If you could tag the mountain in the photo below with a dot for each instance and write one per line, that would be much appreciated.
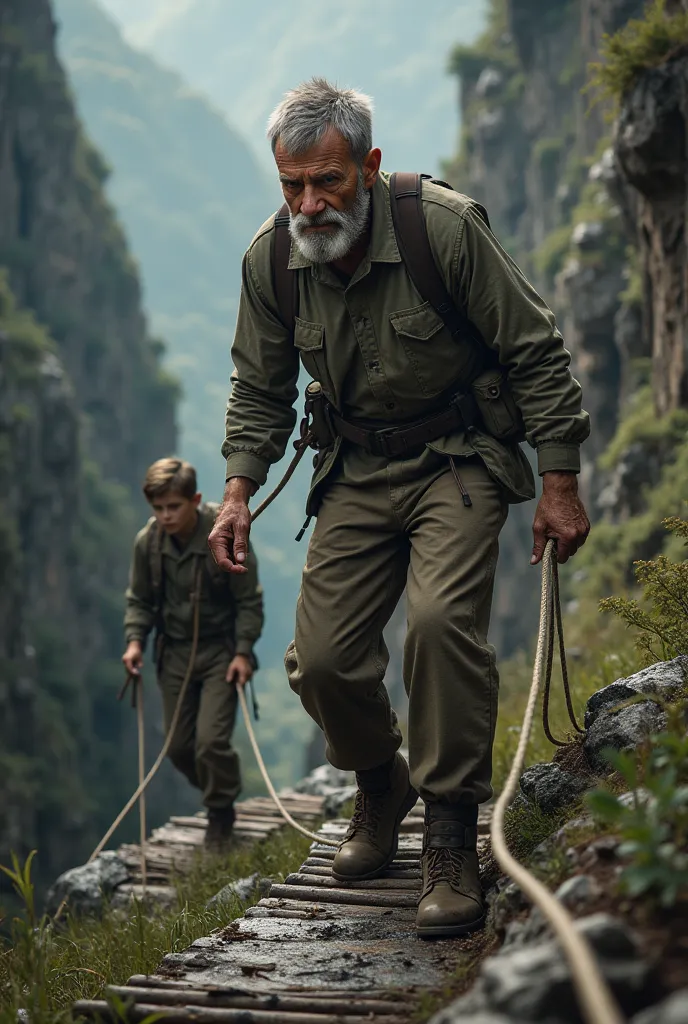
(244, 57)
(191, 195)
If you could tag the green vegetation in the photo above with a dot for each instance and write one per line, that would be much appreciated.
(662, 631)
(46, 968)
(654, 825)
(549, 258)
(641, 44)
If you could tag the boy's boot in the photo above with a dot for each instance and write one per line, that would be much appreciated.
(219, 831)
(451, 901)
(384, 798)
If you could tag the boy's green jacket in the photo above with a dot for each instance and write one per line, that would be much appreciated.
(231, 605)
(383, 355)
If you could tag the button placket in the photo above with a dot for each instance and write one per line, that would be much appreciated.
(370, 352)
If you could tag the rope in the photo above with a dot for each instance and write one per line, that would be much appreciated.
(554, 624)
(138, 684)
(597, 1002)
(268, 782)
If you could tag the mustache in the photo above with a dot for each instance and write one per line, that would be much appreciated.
(316, 220)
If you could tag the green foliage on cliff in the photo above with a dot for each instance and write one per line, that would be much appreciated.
(641, 44)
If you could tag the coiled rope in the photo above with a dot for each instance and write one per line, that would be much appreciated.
(595, 997)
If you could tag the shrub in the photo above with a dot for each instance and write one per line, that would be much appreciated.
(641, 44)
(662, 628)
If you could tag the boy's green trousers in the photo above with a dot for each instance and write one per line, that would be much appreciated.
(201, 746)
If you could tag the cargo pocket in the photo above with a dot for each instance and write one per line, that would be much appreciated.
(434, 356)
(500, 415)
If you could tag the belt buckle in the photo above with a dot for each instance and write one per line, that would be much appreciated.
(380, 443)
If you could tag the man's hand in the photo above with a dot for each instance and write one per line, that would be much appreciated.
(240, 670)
(133, 657)
(228, 539)
(560, 515)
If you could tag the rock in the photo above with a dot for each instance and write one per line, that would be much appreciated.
(666, 680)
(626, 729)
(550, 787)
(490, 81)
(531, 983)
(87, 887)
(604, 170)
(336, 786)
(578, 891)
(241, 889)
(509, 901)
(604, 850)
(673, 1010)
(588, 234)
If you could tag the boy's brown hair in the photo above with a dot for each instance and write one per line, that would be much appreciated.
(170, 475)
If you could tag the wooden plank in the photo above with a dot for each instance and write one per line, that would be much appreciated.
(316, 911)
(231, 999)
(358, 897)
(93, 1009)
(310, 868)
(381, 884)
(156, 981)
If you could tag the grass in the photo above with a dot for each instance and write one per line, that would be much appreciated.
(45, 969)
(642, 44)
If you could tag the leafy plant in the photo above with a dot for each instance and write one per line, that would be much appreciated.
(641, 44)
(663, 627)
(654, 824)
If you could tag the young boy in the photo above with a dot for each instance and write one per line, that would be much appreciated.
(171, 557)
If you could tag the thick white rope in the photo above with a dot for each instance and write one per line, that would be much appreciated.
(596, 999)
(268, 782)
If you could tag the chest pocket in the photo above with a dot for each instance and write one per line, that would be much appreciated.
(309, 339)
(435, 357)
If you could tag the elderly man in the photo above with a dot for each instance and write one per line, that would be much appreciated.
(412, 490)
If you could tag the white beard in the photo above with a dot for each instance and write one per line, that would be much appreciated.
(335, 244)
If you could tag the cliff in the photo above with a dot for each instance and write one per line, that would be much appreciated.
(574, 138)
(84, 407)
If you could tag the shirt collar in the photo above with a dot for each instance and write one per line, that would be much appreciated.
(198, 543)
(383, 246)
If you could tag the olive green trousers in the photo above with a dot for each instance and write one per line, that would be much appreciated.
(384, 526)
(201, 745)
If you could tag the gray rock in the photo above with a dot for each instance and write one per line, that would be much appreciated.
(323, 780)
(86, 888)
(578, 891)
(532, 983)
(588, 234)
(550, 787)
(673, 1010)
(241, 889)
(604, 170)
(665, 680)
(490, 81)
(626, 729)
(509, 900)
(447, 1016)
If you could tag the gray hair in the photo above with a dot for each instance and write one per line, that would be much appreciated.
(306, 112)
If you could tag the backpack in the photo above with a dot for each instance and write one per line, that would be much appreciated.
(405, 193)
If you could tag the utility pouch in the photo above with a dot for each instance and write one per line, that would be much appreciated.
(318, 417)
(500, 415)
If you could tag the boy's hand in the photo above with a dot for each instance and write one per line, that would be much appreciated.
(240, 670)
(228, 539)
(133, 657)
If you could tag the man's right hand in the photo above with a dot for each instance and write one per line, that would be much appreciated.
(228, 539)
(133, 658)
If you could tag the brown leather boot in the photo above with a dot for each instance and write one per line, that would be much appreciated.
(384, 798)
(218, 834)
(451, 902)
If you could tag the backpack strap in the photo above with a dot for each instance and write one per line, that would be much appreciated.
(405, 195)
(285, 281)
(155, 539)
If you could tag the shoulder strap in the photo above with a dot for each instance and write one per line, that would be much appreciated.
(405, 195)
(285, 280)
(155, 538)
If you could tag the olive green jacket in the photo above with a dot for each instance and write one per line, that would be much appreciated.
(382, 354)
(231, 607)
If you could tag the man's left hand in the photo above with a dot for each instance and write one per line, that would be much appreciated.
(560, 515)
(240, 670)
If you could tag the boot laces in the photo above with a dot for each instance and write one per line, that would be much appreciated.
(367, 812)
(445, 865)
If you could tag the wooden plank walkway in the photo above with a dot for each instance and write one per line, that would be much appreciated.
(313, 950)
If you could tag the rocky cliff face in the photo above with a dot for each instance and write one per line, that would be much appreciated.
(84, 407)
(593, 207)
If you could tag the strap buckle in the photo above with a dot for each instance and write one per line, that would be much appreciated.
(381, 443)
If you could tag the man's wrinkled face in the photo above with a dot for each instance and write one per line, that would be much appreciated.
(174, 513)
(328, 195)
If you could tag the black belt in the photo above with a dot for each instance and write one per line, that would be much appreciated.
(397, 441)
